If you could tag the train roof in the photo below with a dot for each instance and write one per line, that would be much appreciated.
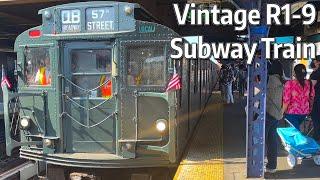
(116, 18)
(139, 12)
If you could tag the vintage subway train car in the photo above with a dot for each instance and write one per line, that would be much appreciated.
(91, 92)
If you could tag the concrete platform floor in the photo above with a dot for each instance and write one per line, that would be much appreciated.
(234, 144)
(217, 150)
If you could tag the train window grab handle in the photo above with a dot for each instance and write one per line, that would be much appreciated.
(113, 53)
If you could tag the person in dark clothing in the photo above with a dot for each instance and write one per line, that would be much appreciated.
(221, 86)
(274, 113)
(227, 76)
(315, 113)
(242, 79)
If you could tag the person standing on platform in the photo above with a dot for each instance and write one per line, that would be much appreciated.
(274, 113)
(298, 95)
(236, 80)
(315, 113)
(220, 81)
(242, 79)
(227, 80)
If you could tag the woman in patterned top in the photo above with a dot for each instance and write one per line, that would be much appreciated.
(298, 97)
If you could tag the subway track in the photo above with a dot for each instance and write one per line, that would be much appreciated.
(8, 167)
(17, 170)
(11, 167)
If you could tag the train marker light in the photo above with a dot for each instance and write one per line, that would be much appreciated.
(161, 125)
(24, 123)
(34, 33)
(47, 14)
(128, 10)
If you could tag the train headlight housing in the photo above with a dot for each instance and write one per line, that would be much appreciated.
(161, 125)
(25, 123)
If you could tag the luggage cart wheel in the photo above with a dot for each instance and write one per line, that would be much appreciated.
(316, 159)
(292, 160)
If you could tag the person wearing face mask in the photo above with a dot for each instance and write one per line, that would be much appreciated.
(298, 95)
(315, 113)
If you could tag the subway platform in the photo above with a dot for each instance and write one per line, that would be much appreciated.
(217, 149)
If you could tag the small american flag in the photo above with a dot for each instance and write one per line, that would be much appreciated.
(175, 83)
(4, 79)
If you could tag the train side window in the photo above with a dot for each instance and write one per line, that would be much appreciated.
(146, 66)
(37, 69)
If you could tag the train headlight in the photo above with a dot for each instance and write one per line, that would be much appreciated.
(161, 125)
(25, 123)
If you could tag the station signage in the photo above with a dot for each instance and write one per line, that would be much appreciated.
(100, 19)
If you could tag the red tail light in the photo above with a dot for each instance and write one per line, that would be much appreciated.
(34, 33)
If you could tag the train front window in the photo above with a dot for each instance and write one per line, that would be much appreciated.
(91, 73)
(37, 68)
(146, 66)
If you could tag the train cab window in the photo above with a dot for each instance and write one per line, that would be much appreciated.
(91, 71)
(37, 67)
(146, 66)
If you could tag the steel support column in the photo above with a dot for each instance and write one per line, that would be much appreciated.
(256, 104)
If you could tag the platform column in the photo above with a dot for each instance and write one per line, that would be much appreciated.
(257, 74)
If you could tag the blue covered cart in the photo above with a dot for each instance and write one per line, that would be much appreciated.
(298, 145)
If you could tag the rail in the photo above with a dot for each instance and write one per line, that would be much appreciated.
(26, 170)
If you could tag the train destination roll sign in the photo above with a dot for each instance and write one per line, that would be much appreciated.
(96, 20)
(71, 21)
(100, 19)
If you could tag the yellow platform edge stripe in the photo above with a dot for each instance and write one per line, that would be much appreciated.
(212, 169)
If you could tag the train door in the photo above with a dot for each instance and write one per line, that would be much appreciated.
(89, 104)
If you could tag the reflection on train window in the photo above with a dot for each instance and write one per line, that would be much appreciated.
(146, 66)
(37, 66)
(91, 73)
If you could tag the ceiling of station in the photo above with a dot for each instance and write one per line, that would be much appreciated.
(17, 16)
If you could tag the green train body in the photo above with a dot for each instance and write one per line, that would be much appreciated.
(80, 48)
